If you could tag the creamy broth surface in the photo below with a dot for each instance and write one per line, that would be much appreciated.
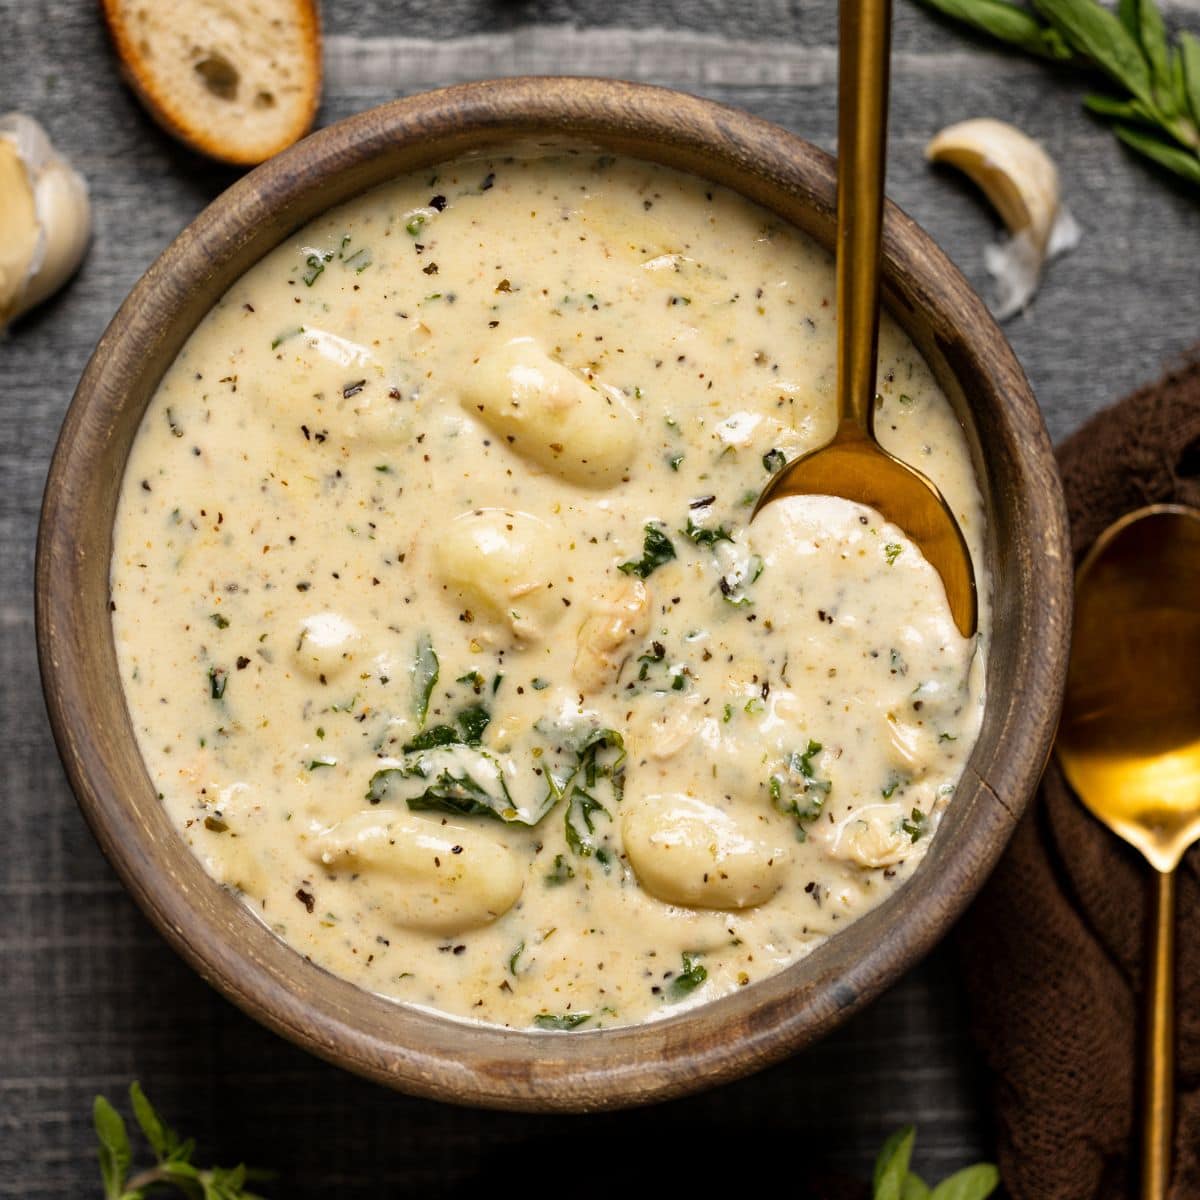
(443, 630)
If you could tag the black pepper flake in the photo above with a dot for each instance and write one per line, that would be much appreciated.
(307, 434)
(489, 182)
(439, 203)
(352, 389)
(493, 324)
(243, 662)
(145, 485)
(432, 269)
(456, 849)
(306, 898)
(303, 586)
(460, 949)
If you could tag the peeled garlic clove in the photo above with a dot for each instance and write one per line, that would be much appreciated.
(1021, 181)
(45, 215)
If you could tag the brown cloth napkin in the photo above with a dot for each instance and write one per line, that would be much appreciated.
(1052, 947)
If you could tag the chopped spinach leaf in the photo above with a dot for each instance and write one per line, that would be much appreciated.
(892, 552)
(217, 678)
(703, 536)
(513, 957)
(435, 735)
(915, 825)
(473, 721)
(560, 1021)
(690, 978)
(797, 792)
(582, 805)
(451, 779)
(424, 676)
(474, 679)
(657, 549)
(562, 872)
(774, 460)
(315, 265)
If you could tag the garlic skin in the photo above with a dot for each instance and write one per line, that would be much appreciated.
(44, 213)
(1021, 181)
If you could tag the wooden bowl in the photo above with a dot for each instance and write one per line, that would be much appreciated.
(418, 1051)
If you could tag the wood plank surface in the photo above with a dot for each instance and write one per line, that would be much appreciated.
(89, 995)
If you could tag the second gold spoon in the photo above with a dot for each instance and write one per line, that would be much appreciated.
(1129, 744)
(854, 465)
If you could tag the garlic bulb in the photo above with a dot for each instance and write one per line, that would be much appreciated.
(44, 215)
(1021, 181)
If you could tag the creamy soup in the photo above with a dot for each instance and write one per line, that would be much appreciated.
(444, 633)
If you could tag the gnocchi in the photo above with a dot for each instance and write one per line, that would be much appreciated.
(581, 430)
(692, 853)
(497, 562)
(427, 876)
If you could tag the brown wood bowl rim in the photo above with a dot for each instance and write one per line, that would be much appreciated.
(424, 1053)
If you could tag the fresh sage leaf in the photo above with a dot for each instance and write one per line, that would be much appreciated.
(1166, 154)
(1131, 47)
(1100, 35)
(971, 1183)
(1009, 22)
(1152, 35)
(162, 1140)
(1189, 56)
(891, 1165)
(1119, 110)
(915, 1188)
(114, 1151)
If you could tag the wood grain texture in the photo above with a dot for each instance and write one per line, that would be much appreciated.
(419, 1052)
(90, 994)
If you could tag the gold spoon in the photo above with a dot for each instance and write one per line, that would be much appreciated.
(1129, 744)
(854, 465)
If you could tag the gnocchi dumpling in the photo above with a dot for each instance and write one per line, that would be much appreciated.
(689, 852)
(584, 432)
(504, 566)
(326, 644)
(424, 875)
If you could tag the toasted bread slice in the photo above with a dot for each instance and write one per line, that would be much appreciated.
(237, 80)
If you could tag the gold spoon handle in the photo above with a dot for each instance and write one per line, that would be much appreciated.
(864, 48)
(1158, 1121)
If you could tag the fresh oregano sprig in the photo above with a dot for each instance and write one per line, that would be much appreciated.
(894, 1181)
(173, 1167)
(1155, 106)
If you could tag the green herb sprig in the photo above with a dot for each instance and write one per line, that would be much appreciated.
(894, 1181)
(1155, 105)
(173, 1158)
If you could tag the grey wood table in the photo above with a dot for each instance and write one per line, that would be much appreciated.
(91, 998)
